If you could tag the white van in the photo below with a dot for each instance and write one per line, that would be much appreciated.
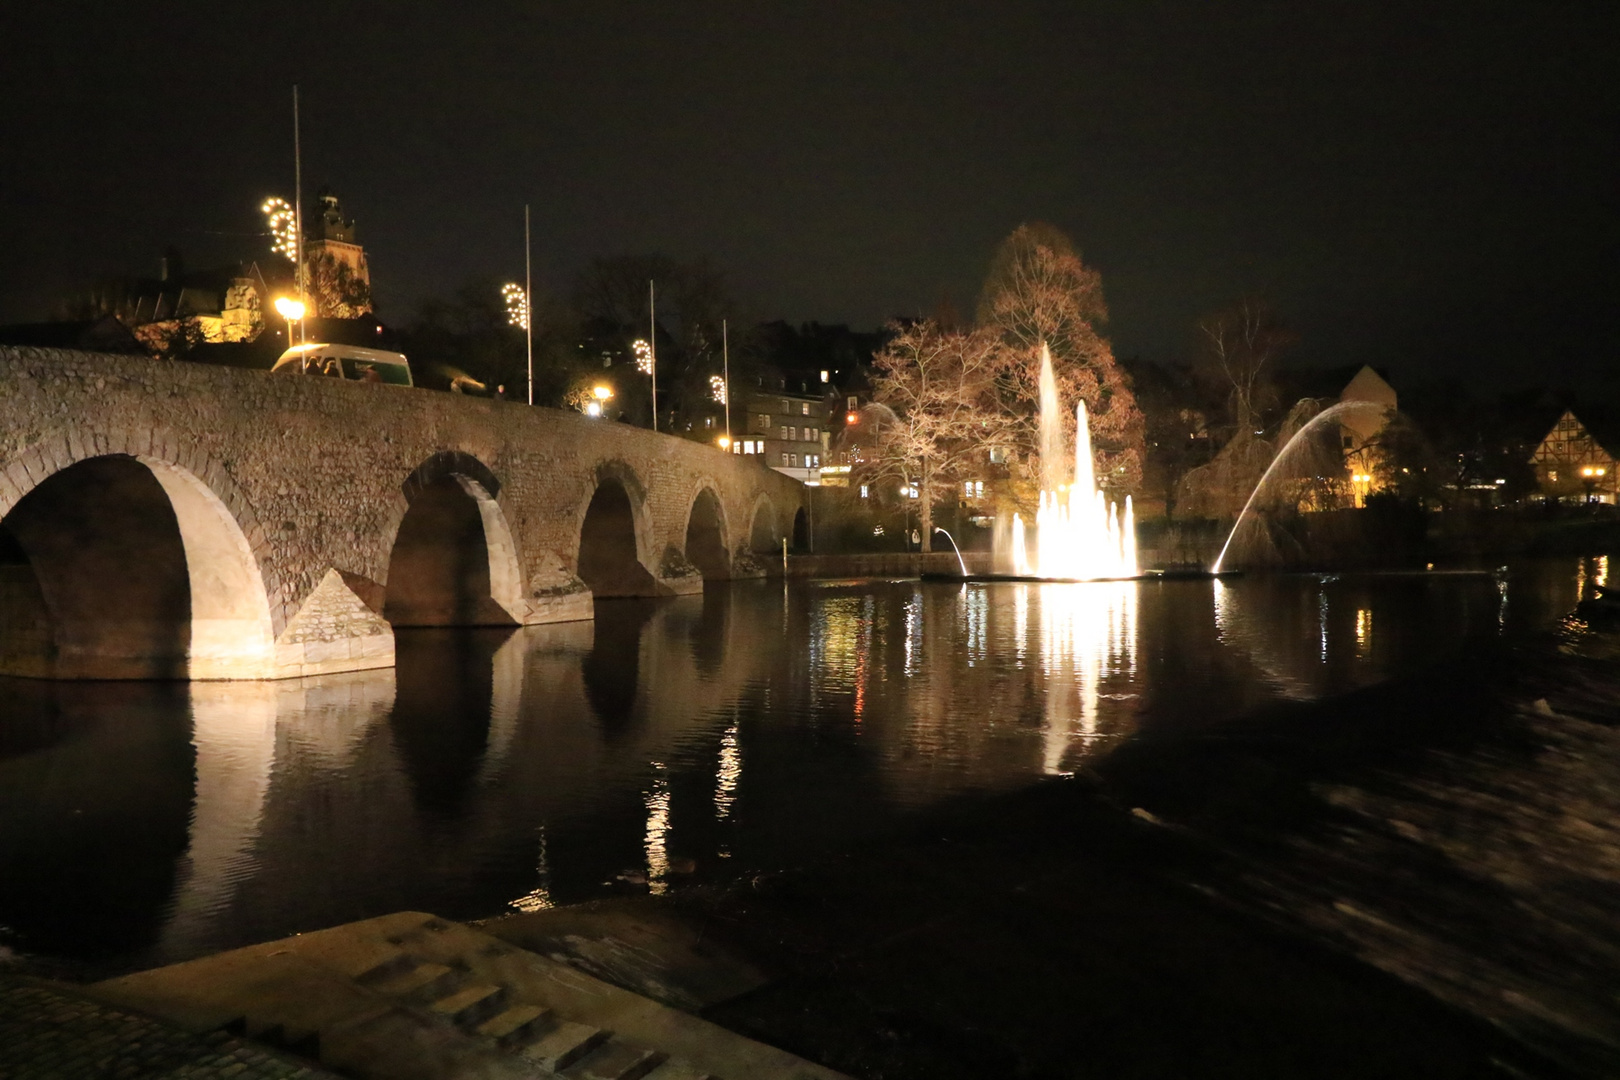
(345, 362)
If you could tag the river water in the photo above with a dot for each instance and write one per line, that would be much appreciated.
(696, 739)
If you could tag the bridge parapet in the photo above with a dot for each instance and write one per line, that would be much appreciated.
(171, 519)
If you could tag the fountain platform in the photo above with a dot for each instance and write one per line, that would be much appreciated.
(1031, 579)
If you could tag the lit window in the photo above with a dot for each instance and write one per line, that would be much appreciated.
(863, 491)
(824, 375)
(805, 408)
(785, 436)
(978, 488)
(787, 406)
(1552, 475)
(708, 421)
(784, 457)
(967, 489)
(852, 403)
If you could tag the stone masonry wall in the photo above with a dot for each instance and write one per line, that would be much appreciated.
(314, 471)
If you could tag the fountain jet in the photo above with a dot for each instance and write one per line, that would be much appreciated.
(1079, 534)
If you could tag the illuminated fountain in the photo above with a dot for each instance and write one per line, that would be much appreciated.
(1298, 457)
(1079, 534)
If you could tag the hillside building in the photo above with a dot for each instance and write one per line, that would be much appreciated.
(1572, 466)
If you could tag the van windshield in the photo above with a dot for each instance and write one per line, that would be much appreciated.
(373, 371)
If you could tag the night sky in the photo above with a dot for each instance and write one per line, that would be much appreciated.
(1430, 187)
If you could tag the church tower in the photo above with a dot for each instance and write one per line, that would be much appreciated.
(339, 279)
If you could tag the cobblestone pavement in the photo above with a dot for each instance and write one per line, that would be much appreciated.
(48, 1033)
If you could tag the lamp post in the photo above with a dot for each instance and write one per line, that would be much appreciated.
(601, 394)
(292, 310)
(1590, 475)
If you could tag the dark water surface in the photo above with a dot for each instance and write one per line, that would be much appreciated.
(691, 739)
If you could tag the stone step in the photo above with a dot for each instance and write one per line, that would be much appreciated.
(424, 982)
(678, 1070)
(564, 1043)
(516, 1024)
(373, 961)
(615, 1060)
(471, 1004)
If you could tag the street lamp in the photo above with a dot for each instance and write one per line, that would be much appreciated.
(292, 310)
(1590, 475)
(601, 395)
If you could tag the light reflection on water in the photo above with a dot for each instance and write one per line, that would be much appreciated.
(142, 823)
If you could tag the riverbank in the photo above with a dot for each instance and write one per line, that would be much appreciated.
(1235, 903)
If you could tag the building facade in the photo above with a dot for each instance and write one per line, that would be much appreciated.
(1572, 466)
(1360, 429)
(787, 430)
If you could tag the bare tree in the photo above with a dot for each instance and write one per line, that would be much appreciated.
(1239, 347)
(933, 417)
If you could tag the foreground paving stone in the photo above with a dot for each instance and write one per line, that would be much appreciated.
(413, 997)
(49, 1031)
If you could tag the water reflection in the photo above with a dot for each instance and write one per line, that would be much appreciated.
(1088, 637)
(143, 823)
(439, 670)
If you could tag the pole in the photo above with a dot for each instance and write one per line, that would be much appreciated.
(528, 300)
(652, 347)
(298, 216)
(725, 361)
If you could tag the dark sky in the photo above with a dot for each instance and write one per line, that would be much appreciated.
(1428, 186)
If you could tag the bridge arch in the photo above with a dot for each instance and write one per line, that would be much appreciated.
(616, 534)
(707, 538)
(801, 531)
(764, 529)
(121, 562)
(452, 560)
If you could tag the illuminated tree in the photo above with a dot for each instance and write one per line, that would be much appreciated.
(1038, 291)
(933, 414)
(338, 292)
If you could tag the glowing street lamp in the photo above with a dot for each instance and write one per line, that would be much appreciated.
(601, 394)
(1590, 475)
(292, 310)
(724, 442)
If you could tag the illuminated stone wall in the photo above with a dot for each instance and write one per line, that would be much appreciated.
(278, 481)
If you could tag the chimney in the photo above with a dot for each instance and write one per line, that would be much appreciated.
(171, 267)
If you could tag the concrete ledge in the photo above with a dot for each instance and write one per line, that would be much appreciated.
(885, 564)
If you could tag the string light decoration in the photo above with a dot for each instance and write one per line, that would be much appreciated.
(717, 387)
(517, 305)
(644, 356)
(283, 224)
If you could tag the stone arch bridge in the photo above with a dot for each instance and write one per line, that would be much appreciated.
(169, 520)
